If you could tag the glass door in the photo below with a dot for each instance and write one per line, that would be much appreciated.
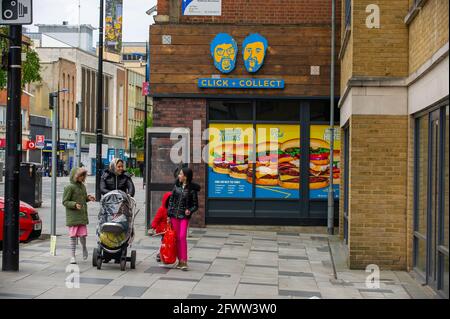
(433, 204)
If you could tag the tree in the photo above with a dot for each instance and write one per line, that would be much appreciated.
(30, 67)
(138, 139)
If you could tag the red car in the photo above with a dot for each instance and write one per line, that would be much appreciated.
(30, 223)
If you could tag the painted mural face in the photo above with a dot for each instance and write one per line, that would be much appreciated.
(254, 51)
(224, 52)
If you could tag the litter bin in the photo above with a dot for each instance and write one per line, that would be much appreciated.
(31, 184)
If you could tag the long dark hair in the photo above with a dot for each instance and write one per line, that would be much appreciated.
(188, 173)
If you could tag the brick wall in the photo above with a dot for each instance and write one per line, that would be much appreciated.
(263, 12)
(180, 113)
(383, 51)
(378, 184)
(428, 32)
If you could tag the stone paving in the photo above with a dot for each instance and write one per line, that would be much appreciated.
(223, 264)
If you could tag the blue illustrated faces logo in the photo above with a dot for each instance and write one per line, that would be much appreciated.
(254, 51)
(224, 51)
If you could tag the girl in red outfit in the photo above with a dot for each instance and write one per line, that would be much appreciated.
(159, 223)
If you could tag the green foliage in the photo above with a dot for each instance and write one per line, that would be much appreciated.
(30, 68)
(138, 138)
(134, 172)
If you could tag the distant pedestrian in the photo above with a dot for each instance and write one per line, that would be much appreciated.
(160, 221)
(75, 200)
(183, 203)
(115, 178)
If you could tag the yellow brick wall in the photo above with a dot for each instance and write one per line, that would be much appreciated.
(378, 185)
(428, 32)
(383, 51)
(347, 58)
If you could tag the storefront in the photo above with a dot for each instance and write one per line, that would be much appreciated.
(262, 94)
(431, 200)
(287, 180)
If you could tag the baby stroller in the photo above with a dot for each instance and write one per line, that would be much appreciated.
(115, 230)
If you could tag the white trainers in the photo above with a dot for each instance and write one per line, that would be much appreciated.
(73, 260)
(85, 254)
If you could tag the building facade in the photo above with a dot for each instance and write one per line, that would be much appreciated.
(251, 73)
(394, 122)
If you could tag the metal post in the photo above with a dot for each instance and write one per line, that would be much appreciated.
(79, 121)
(10, 261)
(55, 147)
(131, 159)
(99, 107)
(147, 79)
(330, 223)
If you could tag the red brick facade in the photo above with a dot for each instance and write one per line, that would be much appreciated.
(261, 12)
(181, 113)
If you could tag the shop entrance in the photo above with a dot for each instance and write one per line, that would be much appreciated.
(286, 182)
(431, 221)
(160, 167)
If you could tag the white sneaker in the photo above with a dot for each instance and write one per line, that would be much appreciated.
(85, 254)
(73, 260)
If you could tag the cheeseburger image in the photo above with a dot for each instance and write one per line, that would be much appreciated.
(336, 167)
(231, 159)
(289, 164)
(266, 164)
(319, 167)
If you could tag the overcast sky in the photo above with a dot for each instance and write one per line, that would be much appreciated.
(135, 20)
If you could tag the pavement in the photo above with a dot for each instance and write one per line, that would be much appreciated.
(224, 263)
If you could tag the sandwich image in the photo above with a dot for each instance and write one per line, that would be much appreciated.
(289, 164)
(266, 164)
(239, 164)
(336, 167)
(231, 159)
(319, 163)
(267, 153)
(265, 175)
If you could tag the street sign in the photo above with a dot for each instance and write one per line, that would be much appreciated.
(40, 141)
(16, 12)
(31, 145)
(145, 88)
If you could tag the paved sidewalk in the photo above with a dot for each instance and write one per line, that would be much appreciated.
(223, 264)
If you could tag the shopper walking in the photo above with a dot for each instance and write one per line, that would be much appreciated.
(182, 204)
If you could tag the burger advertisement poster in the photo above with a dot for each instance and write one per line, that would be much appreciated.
(277, 161)
(319, 162)
(229, 149)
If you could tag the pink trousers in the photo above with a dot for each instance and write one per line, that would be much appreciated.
(180, 226)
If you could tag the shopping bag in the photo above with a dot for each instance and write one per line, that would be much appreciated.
(168, 250)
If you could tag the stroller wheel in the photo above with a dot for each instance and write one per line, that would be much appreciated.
(94, 257)
(133, 259)
(123, 264)
(99, 262)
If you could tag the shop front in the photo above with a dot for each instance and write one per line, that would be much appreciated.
(260, 95)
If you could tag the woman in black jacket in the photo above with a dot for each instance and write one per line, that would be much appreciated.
(183, 203)
(115, 178)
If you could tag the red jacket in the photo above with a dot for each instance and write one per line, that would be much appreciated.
(159, 223)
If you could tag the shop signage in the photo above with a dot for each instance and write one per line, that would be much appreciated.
(241, 83)
(224, 51)
(31, 145)
(2, 142)
(202, 7)
(40, 141)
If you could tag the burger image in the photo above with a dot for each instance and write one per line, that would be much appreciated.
(267, 153)
(336, 167)
(265, 175)
(233, 160)
(289, 164)
(222, 157)
(318, 182)
(319, 167)
(289, 150)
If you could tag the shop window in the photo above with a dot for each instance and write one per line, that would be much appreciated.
(320, 111)
(229, 111)
(278, 111)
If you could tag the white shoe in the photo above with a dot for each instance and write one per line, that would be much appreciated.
(73, 260)
(85, 254)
